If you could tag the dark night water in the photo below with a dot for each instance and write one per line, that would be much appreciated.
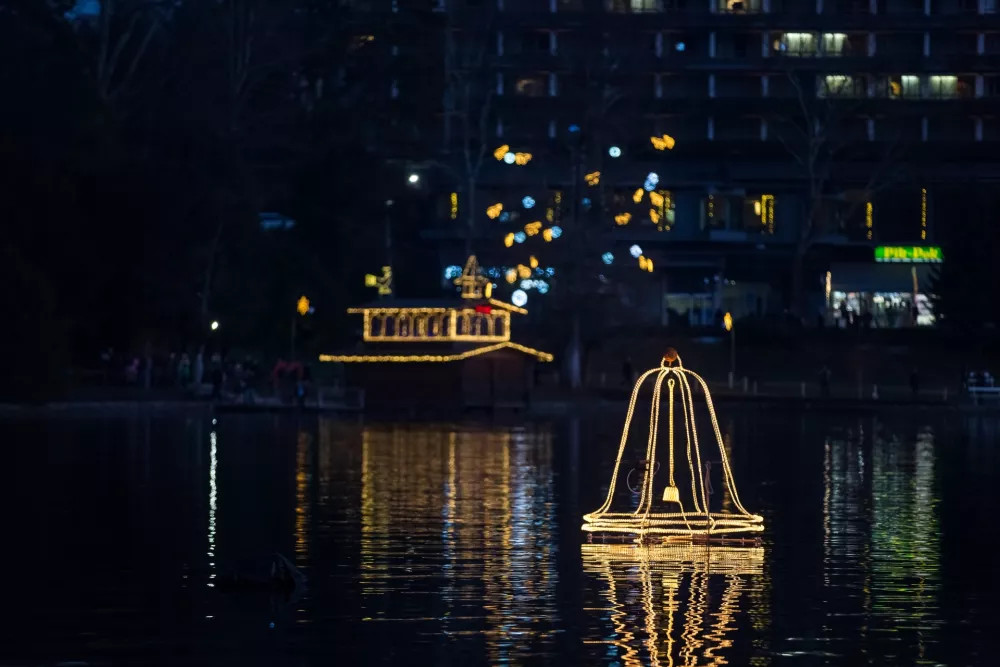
(460, 544)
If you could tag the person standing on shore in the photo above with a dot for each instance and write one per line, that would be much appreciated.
(199, 368)
(184, 371)
(824, 381)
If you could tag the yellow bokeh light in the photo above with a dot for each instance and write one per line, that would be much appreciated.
(656, 199)
(454, 205)
(593, 178)
(370, 280)
(547, 234)
(302, 306)
(654, 216)
(727, 320)
(522, 158)
(550, 214)
(494, 211)
(533, 262)
(511, 275)
(508, 240)
(523, 272)
(666, 142)
(637, 195)
(623, 218)
(501, 151)
(532, 228)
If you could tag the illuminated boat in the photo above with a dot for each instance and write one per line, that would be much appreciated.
(442, 352)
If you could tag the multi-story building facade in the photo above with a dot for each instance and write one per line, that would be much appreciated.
(739, 142)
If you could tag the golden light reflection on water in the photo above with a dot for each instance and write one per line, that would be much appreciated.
(670, 605)
(303, 477)
(460, 523)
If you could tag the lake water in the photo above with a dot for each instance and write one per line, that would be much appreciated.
(460, 544)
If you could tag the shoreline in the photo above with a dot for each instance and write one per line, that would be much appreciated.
(550, 405)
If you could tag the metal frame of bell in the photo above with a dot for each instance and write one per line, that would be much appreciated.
(702, 525)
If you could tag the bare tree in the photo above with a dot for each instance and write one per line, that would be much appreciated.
(470, 86)
(261, 68)
(125, 30)
(818, 135)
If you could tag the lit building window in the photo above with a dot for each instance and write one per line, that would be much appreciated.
(662, 211)
(942, 86)
(633, 6)
(834, 43)
(905, 86)
(797, 44)
(531, 86)
(737, 6)
(842, 85)
(714, 211)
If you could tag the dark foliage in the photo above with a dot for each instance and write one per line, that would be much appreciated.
(139, 149)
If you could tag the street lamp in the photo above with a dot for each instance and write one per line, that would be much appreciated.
(727, 320)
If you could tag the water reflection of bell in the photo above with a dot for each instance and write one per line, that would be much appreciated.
(671, 495)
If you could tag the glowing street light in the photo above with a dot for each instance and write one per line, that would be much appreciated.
(413, 179)
(727, 321)
(215, 325)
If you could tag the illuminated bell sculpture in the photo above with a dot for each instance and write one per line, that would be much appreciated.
(678, 515)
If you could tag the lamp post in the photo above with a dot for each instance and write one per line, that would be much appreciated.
(302, 308)
(728, 321)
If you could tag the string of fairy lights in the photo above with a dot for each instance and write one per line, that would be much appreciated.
(643, 521)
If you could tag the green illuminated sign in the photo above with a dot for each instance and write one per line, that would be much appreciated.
(912, 254)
